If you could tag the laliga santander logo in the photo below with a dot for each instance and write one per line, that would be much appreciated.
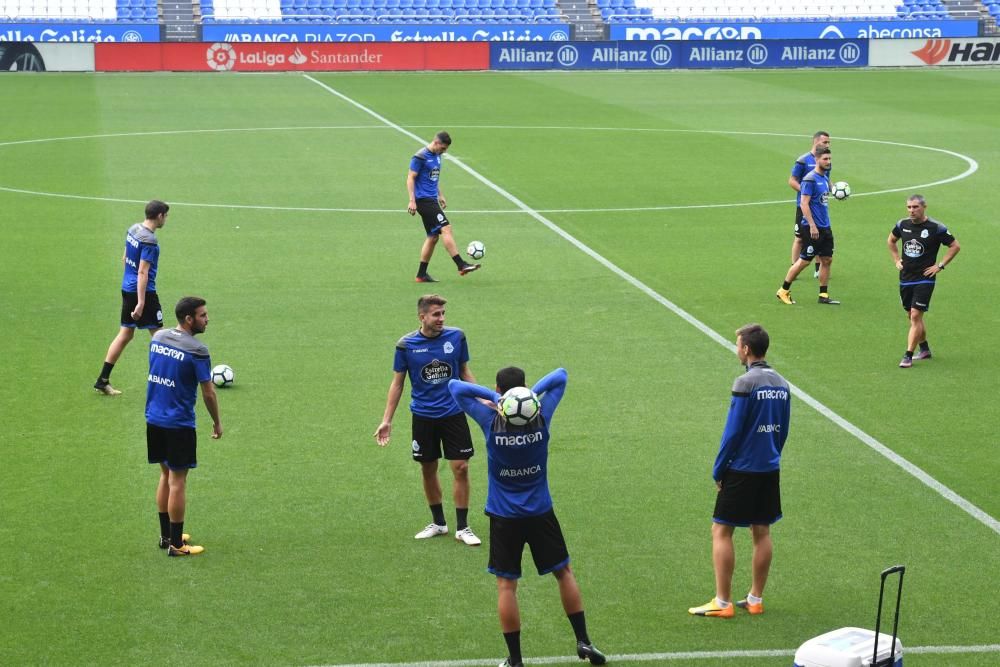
(221, 57)
(934, 51)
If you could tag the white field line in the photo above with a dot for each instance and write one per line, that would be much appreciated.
(662, 657)
(972, 167)
(952, 497)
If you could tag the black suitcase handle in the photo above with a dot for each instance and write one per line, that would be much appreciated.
(888, 662)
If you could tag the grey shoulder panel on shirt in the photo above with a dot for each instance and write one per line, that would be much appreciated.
(401, 343)
(182, 341)
(142, 234)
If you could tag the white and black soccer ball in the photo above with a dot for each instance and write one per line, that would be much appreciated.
(519, 406)
(841, 190)
(476, 250)
(223, 376)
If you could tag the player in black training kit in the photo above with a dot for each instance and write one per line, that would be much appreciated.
(922, 237)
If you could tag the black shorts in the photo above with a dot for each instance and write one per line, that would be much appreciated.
(541, 533)
(152, 314)
(432, 215)
(429, 434)
(798, 222)
(916, 296)
(176, 448)
(821, 247)
(748, 498)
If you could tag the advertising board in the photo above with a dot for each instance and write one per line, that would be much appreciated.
(680, 55)
(283, 57)
(935, 52)
(79, 32)
(46, 57)
(361, 32)
(737, 30)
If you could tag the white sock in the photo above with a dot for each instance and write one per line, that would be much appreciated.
(722, 603)
(753, 599)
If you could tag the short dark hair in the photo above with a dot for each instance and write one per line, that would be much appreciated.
(509, 377)
(917, 198)
(188, 306)
(154, 208)
(822, 151)
(755, 337)
(819, 134)
(425, 302)
(443, 137)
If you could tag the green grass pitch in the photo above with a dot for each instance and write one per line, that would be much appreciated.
(288, 216)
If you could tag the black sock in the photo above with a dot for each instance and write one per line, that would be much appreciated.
(513, 640)
(817, 266)
(422, 271)
(462, 516)
(164, 524)
(908, 354)
(176, 534)
(437, 511)
(579, 624)
(105, 375)
(459, 262)
(823, 289)
(925, 346)
(786, 285)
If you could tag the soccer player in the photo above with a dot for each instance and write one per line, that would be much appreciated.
(519, 504)
(746, 473)
(423, 184)
(817, 236)
(140, 304)
(178, 364)
(922, 237)
(803, 165)
(432, 355)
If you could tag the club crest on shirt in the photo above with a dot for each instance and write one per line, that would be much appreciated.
(924, 234)
(448, 347)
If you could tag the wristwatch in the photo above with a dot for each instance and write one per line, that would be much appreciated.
(940, 266)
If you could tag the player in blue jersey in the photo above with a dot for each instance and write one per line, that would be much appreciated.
(519, 504)
(746, 473)
(817, 235)
(922, 238)
(803, 165)
(140, 303)
(432, 355)
(178, 365)
(423, 184)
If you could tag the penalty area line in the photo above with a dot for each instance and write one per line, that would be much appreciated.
(926, 479)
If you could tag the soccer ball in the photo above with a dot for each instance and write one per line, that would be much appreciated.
(223, 376)
(476, 250)
(519, 406)
(841, 190)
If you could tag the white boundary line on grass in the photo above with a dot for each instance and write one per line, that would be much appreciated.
(676, 655)
(952, 497)
(973, 166)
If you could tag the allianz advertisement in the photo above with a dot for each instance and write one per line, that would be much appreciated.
(680, 55)
(795, 30)
(355, 32)
(79, 32)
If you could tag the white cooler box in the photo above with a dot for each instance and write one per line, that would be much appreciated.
(848, 647)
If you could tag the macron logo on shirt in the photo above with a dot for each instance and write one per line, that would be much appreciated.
(166, 351)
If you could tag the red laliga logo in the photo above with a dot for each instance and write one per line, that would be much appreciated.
(934, 51)
(221, 57)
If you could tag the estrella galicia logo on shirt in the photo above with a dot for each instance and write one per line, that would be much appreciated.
(448, 347)
(913, 248)
(436, 372)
